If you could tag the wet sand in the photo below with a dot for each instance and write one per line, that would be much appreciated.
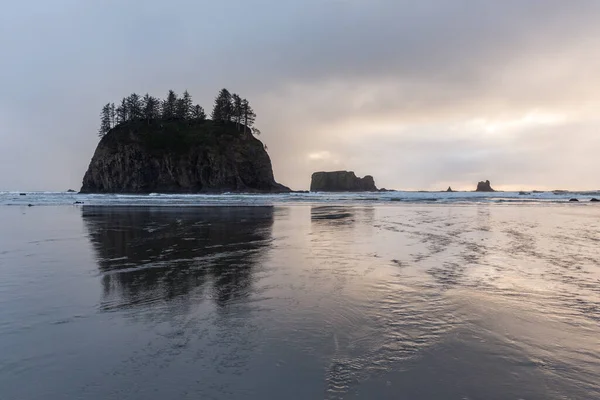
(475, 301)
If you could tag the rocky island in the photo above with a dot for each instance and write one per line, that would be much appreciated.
(484, 187)
(178, 150)
(341, 181)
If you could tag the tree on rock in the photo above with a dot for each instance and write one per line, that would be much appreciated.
(105, 120)
(198, 113)
(248, 115)
(237, 110)
(133, 108)
(151, 108)
(134, 103)
(186, 105)
(113, 115)
(122, 112)
(223, 109)
(169, 106)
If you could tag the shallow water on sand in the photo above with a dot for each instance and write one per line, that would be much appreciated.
(477, 301)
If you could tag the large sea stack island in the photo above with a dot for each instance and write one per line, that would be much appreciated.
(149, 145)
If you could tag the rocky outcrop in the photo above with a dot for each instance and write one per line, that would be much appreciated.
(341, 181)
(449, 189)
(594, 200)
(573, 200)
(179, 157)
(484, 187)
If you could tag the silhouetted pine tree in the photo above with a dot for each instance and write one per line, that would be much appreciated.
(169, 106)
(104, 120)
(227, 107)
(222, 110)
(181, 109)
(198, 113)
(122, 112)
(151, 108)
(186, 105)
(113, 115)
(134, 103)
(236, 110)
(248, 115)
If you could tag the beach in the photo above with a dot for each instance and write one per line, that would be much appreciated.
(299, 298)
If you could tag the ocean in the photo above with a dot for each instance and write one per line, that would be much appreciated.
(395, 295)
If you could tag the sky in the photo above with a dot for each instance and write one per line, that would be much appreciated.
(420, 94)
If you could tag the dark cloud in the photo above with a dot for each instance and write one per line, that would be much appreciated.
(389, 88)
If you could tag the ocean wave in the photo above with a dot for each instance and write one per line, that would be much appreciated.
(246, 199)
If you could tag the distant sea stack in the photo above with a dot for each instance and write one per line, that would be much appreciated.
(180, 156)
(449, 189)
(484, 187)
(341, 181)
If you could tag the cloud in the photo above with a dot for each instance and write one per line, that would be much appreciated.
(418, 94)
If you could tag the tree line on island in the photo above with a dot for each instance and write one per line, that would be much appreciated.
(227, 108)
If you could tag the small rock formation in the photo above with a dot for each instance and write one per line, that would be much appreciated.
(449, 189)
(573, 200)
(484, 187)
(71, 191)
(174, 156)
(22, 194)
(594, 200)
(524, 193)
(341, 181)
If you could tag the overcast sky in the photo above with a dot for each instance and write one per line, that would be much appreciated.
(420, 94)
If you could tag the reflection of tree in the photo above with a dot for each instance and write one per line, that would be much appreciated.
(152, 254)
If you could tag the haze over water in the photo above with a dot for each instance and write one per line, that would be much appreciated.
(401, 301)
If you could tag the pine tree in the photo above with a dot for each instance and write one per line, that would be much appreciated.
(198, 113)
(187, 105)
(151, 107)
(169, 105)
(180, 109)
(122, 112)
(237, 110)
(104, 120)
(134, 104)
(222, 110)
(248, 115)
(113, 115)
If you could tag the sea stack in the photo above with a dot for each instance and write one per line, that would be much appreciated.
(341, 181)
(449, 189)
(177, 156)
(484, 187)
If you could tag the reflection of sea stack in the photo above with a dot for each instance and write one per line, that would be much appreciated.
(484, 187)
(127, 240)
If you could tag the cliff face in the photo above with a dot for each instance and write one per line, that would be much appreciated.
(341, 181)
(179, 157)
